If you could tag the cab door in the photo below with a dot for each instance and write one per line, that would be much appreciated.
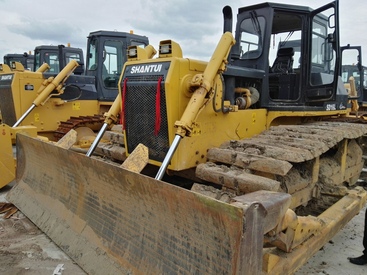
(323, 62)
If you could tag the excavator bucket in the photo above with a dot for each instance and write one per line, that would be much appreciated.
(114, 221)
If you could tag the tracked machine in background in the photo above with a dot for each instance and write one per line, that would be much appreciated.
(252, 166)
(26, 59)
(360, 79)
(356, 73)
(55, 56)
(61, 94)
(30, 62)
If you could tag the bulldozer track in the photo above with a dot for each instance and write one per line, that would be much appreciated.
(94, 122)
(281, 158)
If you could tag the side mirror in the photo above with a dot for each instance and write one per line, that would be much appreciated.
(330, 38)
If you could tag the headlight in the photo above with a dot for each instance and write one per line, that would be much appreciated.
(132, 52)
(169, 48)
(165, 49)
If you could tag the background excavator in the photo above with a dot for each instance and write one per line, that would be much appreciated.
(249, 166)
(61, 94)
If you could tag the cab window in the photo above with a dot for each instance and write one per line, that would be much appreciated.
(252, 37)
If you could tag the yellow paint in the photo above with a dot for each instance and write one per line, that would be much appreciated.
(253, 118)
(76, 106)
(36, 117)
(204, 125)
(46, 116)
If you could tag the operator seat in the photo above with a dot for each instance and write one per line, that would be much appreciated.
(283, 82)
(284, 61)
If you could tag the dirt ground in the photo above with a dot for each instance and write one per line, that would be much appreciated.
(332, 259)
(24, 249)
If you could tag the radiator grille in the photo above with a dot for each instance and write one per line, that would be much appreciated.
(140, 114)
(7, 103)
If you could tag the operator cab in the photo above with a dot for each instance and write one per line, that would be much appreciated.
(290, 54)
(352, 67)
(57, 57)
(25, 59)
(106, 55)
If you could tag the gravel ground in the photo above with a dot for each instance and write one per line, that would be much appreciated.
(24, 249)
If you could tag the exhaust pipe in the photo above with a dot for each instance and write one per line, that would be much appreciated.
(227, 19)
(227, 23)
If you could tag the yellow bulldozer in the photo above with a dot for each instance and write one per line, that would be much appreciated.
(26, 59)
(248, 167)
(61, 94)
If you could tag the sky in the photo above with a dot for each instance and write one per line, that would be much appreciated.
(196, 25)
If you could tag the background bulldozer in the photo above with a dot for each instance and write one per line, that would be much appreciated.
(55, 56)
(61, 94)
(249, 166)
(26, 59)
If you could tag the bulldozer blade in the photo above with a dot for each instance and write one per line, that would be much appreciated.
(114, 221)
(334, 219)
(7, 159)
(111, 220)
